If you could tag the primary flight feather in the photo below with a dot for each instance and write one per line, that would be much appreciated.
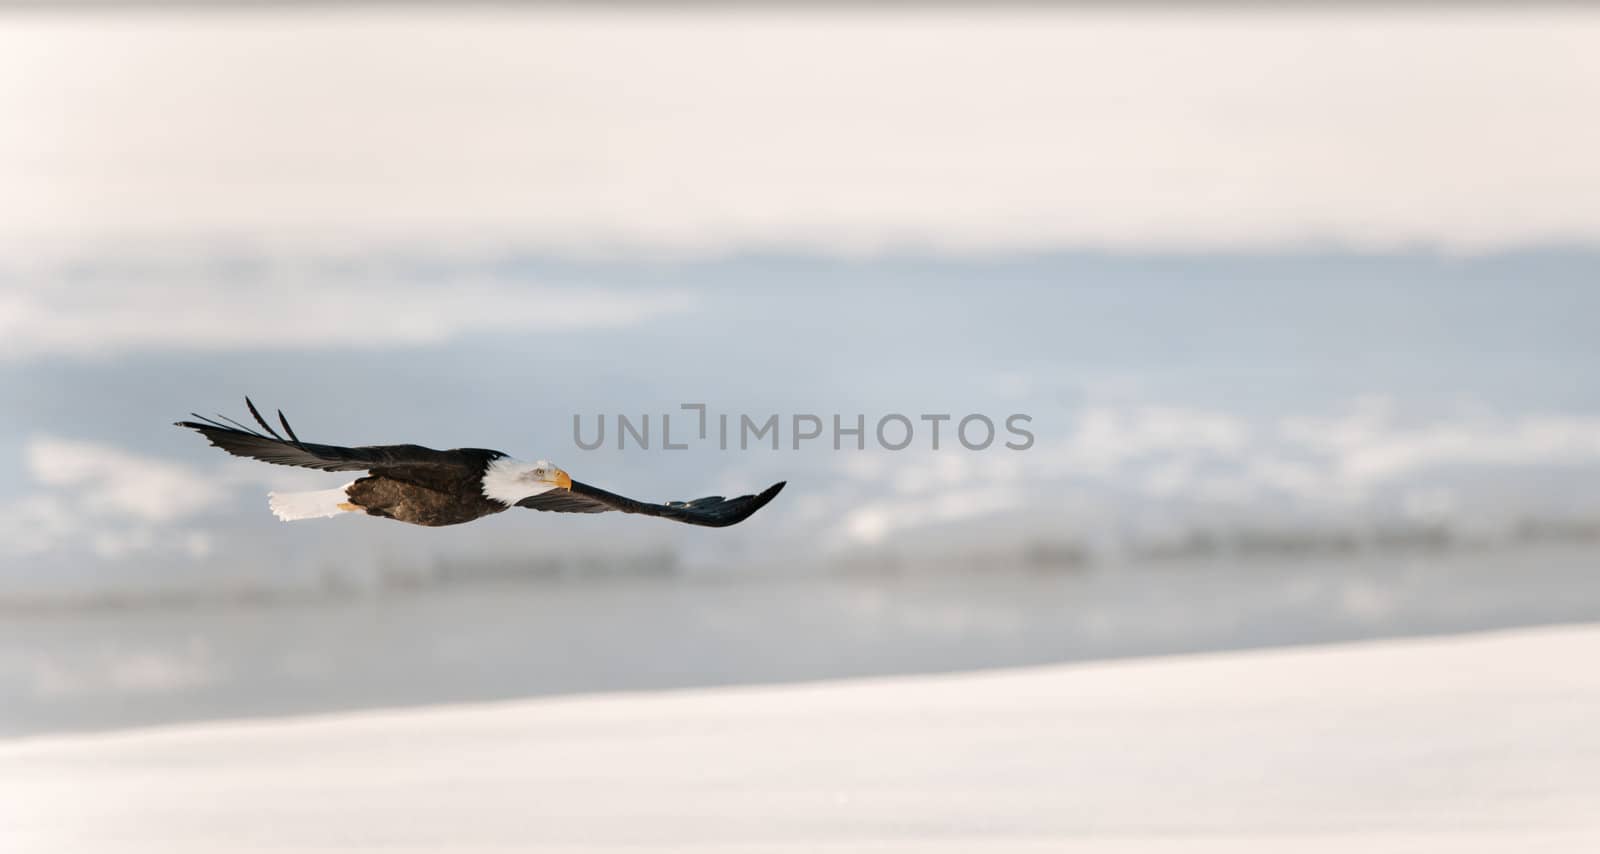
(423, 486)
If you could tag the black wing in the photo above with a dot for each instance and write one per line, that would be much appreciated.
(713, 511)
(270, 447)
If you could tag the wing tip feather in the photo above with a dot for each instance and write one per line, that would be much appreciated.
(755, 503)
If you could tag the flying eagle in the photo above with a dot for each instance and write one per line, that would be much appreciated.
(410, 483)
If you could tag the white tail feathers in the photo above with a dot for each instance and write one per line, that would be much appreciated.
(317, 504)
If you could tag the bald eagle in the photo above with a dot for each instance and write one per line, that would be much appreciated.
(422, 486)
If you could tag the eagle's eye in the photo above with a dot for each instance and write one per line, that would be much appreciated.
(538, 472)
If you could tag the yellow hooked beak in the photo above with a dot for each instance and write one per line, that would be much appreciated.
(561, 479)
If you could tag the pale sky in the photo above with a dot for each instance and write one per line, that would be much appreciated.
(837, 131)
(384, 146)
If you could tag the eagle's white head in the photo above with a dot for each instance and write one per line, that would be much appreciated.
(508, 480)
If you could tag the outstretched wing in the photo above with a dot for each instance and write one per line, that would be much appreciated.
(713, 511)
(270, 447)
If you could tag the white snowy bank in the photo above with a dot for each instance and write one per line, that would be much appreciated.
(1487, 743)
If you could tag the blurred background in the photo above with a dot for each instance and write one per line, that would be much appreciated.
(1301, 304)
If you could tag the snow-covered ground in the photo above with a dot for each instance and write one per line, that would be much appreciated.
(1483, 742)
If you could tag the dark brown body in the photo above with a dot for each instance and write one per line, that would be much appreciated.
(443, 500)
